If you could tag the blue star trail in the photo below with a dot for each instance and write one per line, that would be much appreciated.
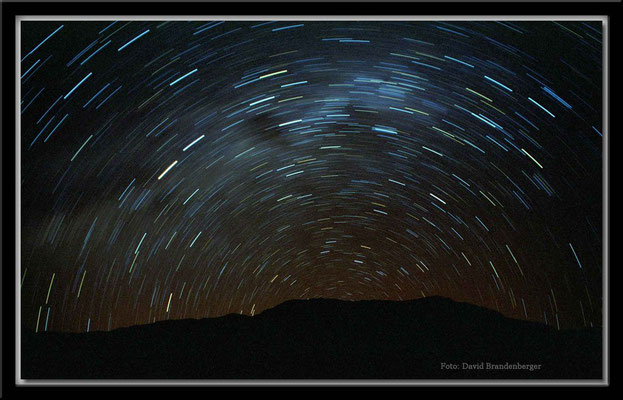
(191, 169)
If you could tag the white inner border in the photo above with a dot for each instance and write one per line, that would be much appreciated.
(605, 203)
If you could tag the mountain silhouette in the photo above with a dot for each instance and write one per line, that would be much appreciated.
(429, 338)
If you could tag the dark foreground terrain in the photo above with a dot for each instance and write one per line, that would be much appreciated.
(322, 339)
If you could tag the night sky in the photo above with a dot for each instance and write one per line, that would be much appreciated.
(191, 169)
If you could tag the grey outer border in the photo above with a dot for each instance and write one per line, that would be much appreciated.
(502, 382)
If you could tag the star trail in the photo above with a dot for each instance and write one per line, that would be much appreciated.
(191, 169)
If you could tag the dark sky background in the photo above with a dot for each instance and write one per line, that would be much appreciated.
(193, 169)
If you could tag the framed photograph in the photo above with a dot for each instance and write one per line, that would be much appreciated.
(306, 194)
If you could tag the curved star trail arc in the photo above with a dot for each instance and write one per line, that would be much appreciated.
(191, 169)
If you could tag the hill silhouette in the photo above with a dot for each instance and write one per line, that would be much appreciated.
(322, 339)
